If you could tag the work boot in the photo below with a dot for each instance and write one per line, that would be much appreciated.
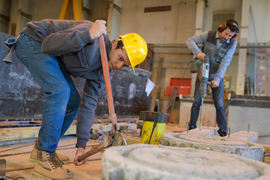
(48, 166)
(190, 127)
(33, 156)
(222, 133)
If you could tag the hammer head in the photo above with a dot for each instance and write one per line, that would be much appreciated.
(118, 139)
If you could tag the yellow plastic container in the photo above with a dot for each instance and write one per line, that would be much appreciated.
(147, 129)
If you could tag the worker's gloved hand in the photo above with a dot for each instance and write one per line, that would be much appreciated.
(201, 56)
(79, 152)
(97, 29)
(214, 83)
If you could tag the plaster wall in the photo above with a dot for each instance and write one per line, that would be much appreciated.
(259, 24)
(173, 26)
(256, 118)
(221, 5)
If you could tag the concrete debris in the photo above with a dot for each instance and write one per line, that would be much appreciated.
(240, 143)
(151, 162)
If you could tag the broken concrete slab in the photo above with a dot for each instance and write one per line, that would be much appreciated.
(151, 162)
(245, 136)
(208, 139)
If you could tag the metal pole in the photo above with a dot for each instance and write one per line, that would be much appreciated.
(201, 115)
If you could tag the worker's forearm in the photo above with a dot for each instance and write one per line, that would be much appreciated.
(85, 119)
(193, 42)
(193, 47)
(84, 124)
(87, 109)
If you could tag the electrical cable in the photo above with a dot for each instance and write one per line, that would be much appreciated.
(185, 70)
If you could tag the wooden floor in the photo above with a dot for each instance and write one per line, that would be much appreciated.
(18, 164)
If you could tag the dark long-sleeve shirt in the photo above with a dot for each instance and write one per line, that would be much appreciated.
(70, 41)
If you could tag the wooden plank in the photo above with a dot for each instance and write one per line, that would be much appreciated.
(267, 160)
(174, 128)
(156, 82)
(171, 103)
(10, 134)
(6, 123)
(118, 120)
(266, 148)
(20, 133)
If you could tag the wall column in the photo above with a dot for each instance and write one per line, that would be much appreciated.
(198, 30)
(242, 59)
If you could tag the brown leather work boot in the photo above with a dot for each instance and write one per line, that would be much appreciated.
(48, 166)
(33, 157)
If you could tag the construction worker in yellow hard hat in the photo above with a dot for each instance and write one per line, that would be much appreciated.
(54, 50)
(135, 47)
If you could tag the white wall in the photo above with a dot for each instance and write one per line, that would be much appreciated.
(115, 21)
(259, 21)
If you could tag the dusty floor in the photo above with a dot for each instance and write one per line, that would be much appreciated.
(18, 164)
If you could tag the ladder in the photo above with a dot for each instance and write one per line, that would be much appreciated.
(77, 9)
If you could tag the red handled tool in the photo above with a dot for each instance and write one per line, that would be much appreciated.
(115, 137)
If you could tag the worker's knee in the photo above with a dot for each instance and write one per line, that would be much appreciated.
(196, 104)
(219, 104)
(58, 92)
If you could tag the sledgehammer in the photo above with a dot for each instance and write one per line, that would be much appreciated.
(114, 138)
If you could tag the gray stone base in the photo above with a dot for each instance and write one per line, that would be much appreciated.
(207, 139)
(149, 162)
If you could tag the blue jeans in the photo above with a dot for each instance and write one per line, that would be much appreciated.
(61, 97)
(218, 97)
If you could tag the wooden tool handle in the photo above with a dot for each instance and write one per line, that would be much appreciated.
(93, 151)
(105, 67)
(107, 142)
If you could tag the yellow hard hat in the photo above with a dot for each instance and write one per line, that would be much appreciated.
(135, 47)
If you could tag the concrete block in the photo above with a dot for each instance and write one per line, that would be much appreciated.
(151, 162)
(208, 139)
